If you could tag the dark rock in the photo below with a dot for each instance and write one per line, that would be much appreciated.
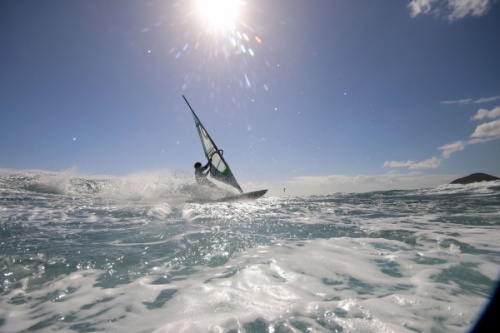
(475, 178)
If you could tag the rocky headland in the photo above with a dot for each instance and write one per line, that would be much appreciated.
(475, 178)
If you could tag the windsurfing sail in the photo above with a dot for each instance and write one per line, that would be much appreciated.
(219, 169)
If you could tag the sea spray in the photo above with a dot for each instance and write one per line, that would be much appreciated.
(130, 253)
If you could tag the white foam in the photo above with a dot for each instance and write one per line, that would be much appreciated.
(393, 272)
(334, 279)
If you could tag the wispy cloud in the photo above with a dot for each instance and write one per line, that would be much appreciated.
(487, 131)
(467, 101)
(452, 148)
(450, 9)
(413, 179)
(486, 99)
(398, 164)
(418, 7)
(363, 183)
(483, 113)
(460, 102)
(483, 133)
(430, 163)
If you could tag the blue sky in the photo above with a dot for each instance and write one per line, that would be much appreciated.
(316, 96)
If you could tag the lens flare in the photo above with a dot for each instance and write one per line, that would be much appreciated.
(219, 46)
(219, 14)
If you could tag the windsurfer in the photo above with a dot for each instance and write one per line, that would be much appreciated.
(201, 176)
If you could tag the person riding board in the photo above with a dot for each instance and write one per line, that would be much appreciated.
(201, 176)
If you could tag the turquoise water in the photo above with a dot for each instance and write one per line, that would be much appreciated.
(127, 254)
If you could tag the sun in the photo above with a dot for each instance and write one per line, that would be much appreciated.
(220, 14)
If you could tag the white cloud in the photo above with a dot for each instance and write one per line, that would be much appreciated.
(466, 101)
(485, 132)
(488, 131)
(398, 164)
(463, 8)
(460, 101)
(486, 99)
(450, 9)
(430, 163)
(307, 185)
(483, 113)
(418, 7)
(451, 148)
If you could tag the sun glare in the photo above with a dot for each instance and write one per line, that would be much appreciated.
(219, 13)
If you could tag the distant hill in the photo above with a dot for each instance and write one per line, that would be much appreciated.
(475, 178)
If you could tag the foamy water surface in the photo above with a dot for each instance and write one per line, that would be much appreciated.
(130, 255)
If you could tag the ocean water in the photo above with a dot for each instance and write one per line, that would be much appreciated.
(128, 254)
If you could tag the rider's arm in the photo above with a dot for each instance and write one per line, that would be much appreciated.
(208, 164)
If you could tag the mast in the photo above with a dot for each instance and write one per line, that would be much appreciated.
(219, 169)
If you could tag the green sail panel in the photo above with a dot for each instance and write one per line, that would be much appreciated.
(219, 169)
